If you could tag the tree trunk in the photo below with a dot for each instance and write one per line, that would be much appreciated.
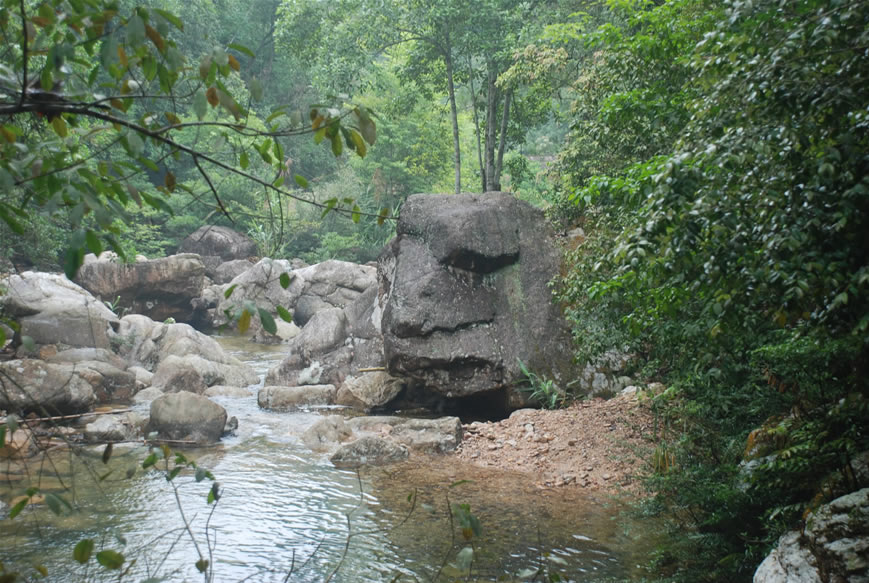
(477, 126)
(448, 60)
(491, 117)
(502, 145)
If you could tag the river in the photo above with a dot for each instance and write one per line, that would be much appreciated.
(286, 514)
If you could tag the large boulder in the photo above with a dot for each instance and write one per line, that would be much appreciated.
(160, 288)
(53, 310)
(43, 388)
(834, 547)
(187, 417)
(149, 344)
(465, 296)
(333, 345)
(218, 241)
(324, 286)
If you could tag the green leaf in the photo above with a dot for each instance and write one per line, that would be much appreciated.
(256, 89)
(174, 473)
(135, 31)
(174, 20)
(45, 80)
(358, 143)
(214, 493)
(368, 129)
(74, 260)
(284, 280)
(202, 565)
(301, 181)
(381, 216)
(243, 161)
(59, 126)
(16, 510)
(93, 242)
(330, 204)
(110, 559)
(244, 321)
(149, 461)
(284, 314)
(337, 144)
(267, 321)
(229, 290)
(201, 474)
(200, 104)
(83, 550)
(135, 144)
(242, 49)
(54, 503)
(356, 213)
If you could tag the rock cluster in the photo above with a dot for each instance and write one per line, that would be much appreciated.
(833, 548)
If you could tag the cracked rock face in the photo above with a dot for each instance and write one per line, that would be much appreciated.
(465, 294)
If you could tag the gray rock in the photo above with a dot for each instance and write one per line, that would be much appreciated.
(160, 288)
(788, 563)
(110, 383)
(150, 344)
(187, 416)
(430, 436)
(326, 434)
(143, 376)
(122, 427)
(147, 395)
(323, 333)
(286, 398)
(53, 310)
(327, 285)
(368, 451)
(176, 374)
(219, 241)
(834, 547)
(465, 295)
(42, 387)
(229, 270)
(372, 389)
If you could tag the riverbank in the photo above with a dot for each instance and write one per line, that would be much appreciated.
(597, 445)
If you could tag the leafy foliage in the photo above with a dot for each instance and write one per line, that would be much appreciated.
(738, 266)
(80, 82)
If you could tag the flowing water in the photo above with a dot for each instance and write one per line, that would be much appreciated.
(286, 514)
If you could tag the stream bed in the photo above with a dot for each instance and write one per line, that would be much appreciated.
(286, 514)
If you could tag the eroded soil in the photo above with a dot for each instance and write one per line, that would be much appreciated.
(598, 445)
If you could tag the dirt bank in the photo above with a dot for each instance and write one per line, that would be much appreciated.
(600, 445)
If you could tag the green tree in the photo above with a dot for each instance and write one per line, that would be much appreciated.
(738, 268)
(82, 81)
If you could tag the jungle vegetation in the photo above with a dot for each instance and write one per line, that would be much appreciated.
(715, 154)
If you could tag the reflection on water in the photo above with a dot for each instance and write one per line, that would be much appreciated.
(285, 511)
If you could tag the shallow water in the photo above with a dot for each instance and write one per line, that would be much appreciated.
(287, 514)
